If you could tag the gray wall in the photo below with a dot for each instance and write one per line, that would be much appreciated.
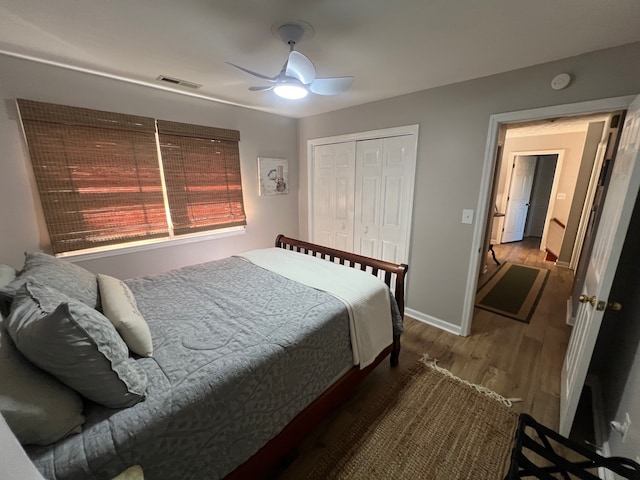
(594, 135)
(573, 146)
(261, 134)
(453, 123)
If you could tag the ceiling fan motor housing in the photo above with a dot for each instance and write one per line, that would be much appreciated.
(290, 33)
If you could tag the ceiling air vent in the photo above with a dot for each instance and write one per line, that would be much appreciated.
(177, 81)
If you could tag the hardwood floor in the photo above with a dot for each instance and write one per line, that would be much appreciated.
(512, 358)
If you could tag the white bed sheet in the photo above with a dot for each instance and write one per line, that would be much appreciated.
(365, 296)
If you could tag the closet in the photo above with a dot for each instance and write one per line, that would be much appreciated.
(361, 196)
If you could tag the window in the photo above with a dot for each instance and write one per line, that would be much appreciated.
(104, 180)
(202, 174)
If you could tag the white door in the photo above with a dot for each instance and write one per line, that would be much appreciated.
(524, 168)
(333, 195)
(368, 192)
(616, 213)
(385, 170)
(398, 178)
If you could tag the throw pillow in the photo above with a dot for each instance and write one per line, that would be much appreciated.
(7, 274)
(76, 344)
(72, 280)
(120, 307)
(39, 409)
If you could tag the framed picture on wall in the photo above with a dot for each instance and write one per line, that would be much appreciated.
(273, 176)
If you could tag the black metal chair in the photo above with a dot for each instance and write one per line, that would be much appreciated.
(538, 440)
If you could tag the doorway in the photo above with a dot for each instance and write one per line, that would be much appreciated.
(490, 171)
(529, 204)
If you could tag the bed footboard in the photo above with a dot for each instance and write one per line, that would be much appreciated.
(394, 273)
(264, 464)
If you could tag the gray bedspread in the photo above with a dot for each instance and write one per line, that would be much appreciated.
(238, 352)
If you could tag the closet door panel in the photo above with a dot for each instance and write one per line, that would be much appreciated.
(333, 195)
(391, 215)
(345, 177)
(389, 252)
(367, 199)
(397, 198)
(362, 196)
(323, 179)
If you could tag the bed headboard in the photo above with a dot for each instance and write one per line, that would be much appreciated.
(394, 272)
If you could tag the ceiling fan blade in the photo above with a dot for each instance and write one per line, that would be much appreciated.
(255, 74)
(261, 89)
(330, 86)
(300, 67)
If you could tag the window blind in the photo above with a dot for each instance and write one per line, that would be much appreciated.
(202, 176)
(100, 179)
(97, 174)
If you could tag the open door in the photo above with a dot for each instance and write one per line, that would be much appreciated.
(614, 222)
(524, 168)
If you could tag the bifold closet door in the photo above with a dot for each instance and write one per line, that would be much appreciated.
(333, 195)
(383, 197)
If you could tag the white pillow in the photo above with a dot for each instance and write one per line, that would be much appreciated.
(120, 307)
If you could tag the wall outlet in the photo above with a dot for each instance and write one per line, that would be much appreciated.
(467, 216)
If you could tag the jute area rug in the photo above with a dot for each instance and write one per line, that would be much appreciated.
(432, 425)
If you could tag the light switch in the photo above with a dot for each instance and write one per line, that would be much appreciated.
(467, 216)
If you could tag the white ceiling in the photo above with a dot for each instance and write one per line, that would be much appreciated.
(390, 47)
(554, 126)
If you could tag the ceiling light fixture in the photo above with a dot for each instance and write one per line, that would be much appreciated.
(291, 89)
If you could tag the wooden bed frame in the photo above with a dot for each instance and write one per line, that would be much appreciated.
(266, 461)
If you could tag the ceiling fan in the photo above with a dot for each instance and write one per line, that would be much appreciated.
(298, 75)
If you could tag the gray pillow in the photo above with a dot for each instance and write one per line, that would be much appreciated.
(7, 275)
(76, 344)
(39, 409)
(72, 280)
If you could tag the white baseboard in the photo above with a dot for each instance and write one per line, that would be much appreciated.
(571, 320)
(433, 321)
(562, 264)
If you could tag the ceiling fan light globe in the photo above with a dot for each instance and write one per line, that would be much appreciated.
(291, 90)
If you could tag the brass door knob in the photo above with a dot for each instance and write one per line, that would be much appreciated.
(616, 306)
(587, 299)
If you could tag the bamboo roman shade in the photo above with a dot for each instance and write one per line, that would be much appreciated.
(97, 174)
(100, 180)
(202, 175)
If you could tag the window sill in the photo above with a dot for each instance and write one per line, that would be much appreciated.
(112, 250)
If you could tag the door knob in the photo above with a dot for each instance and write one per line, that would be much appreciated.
(365, 229)
(587, 299)
(615, 306)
